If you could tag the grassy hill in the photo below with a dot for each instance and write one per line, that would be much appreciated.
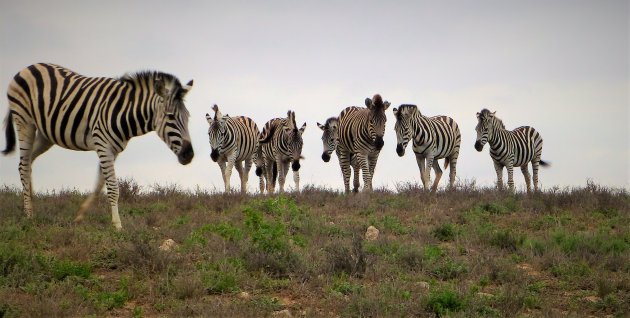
(471, 252)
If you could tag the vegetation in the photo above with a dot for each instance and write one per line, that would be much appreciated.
(463, 253)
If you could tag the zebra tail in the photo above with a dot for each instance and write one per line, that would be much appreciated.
(446, 163)
(10, 134)
(545, 163)
(274, 172)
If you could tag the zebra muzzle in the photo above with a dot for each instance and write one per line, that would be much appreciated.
(186, 154)
(325, 157)
(400, 150)
(378, 143)
(478, 146)
(214, 155)
(295, 165)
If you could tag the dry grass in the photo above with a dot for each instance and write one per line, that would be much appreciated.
(468, 252)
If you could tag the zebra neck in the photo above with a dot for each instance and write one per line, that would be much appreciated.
(497, 135)
(420, 129)
(144, 108)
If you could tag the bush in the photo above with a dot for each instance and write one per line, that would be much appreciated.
(445, 232)
(444, 302)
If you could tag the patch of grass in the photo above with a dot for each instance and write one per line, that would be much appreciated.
(507, 239)
(223, 276)
(444, 302)
(445, 232)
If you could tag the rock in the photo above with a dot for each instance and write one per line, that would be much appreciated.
(592, 299)
(282, 314)
(372, 233)
(244, 295)
(485, 295)
(424, 285)
(168, 245)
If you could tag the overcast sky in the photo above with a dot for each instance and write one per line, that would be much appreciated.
(559, 66)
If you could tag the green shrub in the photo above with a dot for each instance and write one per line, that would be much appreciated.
(64, 268)
(445, 232)
(221, 277)
(444, 302)
(507, 239)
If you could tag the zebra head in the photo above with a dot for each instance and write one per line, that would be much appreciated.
(171, 119)
(485, 128)
(377, 119)
(404, 132)
(217, 132)
(330, 136)
(293, 139)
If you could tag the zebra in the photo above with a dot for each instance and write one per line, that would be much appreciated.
(281, 143)
(52, 105)
(330, 138)
(510, 149)
(361, 132)
(233, 140)
(434, 138)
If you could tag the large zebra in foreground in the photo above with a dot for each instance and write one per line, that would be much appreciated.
(233, 140)
(361, 133)
(510, 149)
(281, 143)
(51, 105)
(434, 138)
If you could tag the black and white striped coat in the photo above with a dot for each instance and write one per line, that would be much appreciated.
(433, 138)
(281, 143)
(361, 132)
(516, 148)
(234, 141)
(51, 105)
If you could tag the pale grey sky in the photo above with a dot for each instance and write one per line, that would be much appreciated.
(559, 66)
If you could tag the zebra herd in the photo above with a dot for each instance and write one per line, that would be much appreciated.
(51, 105)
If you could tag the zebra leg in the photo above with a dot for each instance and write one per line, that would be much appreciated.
(438, 175)
(100, 182)
(363, 162)
(26, 135)
(420, 161)
(269, 169)
(296, 179)
(498, 167)
(510, 170)
(221, 163)
(344, 163)
(283, 168)
(525, 171)
(107, 160)
(535, 165)
(244, 173)
(357, 183)
(453, 171)
(228, 171)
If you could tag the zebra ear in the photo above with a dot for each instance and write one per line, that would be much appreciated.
(493, 113)
(209, 118)
(369, 103)
(187, 87)
(478, 114)
(322, 127)
(395, 111)
(386, 105)
(302, 129)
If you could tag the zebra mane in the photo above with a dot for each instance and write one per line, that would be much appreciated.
(496, 121)
(147, 75)
(330, 120)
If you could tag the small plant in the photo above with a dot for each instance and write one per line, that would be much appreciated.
(445, 232)
(444, 302)
(507, 239)
(64, 268)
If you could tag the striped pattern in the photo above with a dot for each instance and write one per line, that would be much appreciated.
(330, 139)
(361, 132)
(233, 140)
(510, 149)
(434, 138)
(281, 144)
(51, 105)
